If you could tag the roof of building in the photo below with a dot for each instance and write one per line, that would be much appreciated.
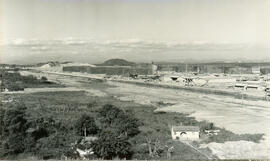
(185, 128)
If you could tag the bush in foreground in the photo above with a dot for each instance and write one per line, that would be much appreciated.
(111, 146)
(86, 125)
(14, 126)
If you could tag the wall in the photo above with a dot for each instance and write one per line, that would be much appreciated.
(110, 70)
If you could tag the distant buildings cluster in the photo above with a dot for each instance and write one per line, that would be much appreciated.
(154, 68)
(226, 68)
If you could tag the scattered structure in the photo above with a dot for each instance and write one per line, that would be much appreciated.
(185, 132)
(212, 132)
(256, 70)
(248, 86)
(217, 67)
(84, 153)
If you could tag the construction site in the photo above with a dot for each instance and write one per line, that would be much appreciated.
(241, 80)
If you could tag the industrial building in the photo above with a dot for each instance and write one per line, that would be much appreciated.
(185, 132)
(111, 70)
(226, 68)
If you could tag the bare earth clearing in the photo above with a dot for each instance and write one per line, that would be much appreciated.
(250, 117)
(235, 115)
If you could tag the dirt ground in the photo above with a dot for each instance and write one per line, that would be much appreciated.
(238, 116)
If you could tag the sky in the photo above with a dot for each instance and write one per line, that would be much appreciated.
(168, 21)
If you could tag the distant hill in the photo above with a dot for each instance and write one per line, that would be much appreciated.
(117, 62)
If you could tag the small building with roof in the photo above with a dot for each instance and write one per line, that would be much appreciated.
(185, 132)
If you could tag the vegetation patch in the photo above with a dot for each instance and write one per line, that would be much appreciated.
(14, 81)
(225, 135)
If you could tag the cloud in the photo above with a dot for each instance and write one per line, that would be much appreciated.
(90, 50)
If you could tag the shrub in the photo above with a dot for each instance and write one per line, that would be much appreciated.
(14, 130)
(52, 147)
(14, 87)
(120, 121)
(110, 145)
(86, 125)
(206, 126)
(43, 78)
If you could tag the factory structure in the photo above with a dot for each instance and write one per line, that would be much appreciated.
(225, 68)
(110, 70)
(118, 68)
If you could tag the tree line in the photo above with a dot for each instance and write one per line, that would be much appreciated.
(47, 138)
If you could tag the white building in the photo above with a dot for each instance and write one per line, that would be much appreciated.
(185, 132)
(256, 70)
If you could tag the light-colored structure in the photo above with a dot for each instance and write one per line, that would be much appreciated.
(256, 70)
(185, 132)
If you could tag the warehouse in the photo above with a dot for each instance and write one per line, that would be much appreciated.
(110, 70)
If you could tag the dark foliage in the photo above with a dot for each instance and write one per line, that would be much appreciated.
(2, 114)
(43, 78)
(43, 137)
(51, 139)
(39, 128)
(16, 82)
(117, 62)
(120, 127)
(14, 130)
(126, 123)
(86, 125)
(15, 87)
(122, 122)
(108, 113)
(110, 146)
(52, 146)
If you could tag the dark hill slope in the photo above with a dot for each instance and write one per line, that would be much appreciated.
(117, 62)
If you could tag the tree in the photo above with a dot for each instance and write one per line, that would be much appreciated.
(53, 146)
(110, 145)
(38, 128)
(2, 114)
(86, 125)
(123, 122)
(108, 113)
(14, 129)
(52, 138)
(126, 123)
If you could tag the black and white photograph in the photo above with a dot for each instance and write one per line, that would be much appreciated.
(134, 80)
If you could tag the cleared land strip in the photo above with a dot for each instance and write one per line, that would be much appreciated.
(234, 94)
